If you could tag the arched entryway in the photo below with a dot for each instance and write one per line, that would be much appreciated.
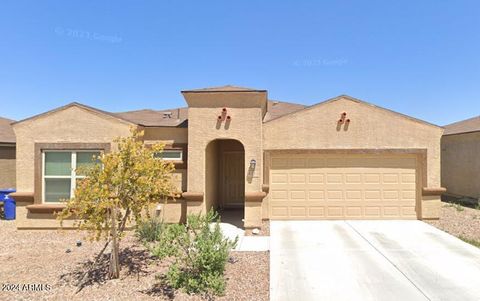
(225, 175)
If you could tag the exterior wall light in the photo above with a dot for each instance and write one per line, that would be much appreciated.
(253, 163)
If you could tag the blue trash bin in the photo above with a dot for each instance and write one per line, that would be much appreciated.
(9, 205)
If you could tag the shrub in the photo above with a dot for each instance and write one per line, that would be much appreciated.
(149, 230)
(200, 253)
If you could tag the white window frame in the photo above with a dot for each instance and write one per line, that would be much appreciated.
(173, 151)
(73, 173)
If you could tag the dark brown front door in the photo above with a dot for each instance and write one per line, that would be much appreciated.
(232, 190)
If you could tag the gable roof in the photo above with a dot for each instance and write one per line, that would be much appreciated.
(173, 117)
(227, 88)
(276, 109)
(178, 117)
(79, 105)
(357, 101)
(464, 126)
(6, 131)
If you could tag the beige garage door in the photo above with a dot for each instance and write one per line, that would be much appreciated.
(313, 186)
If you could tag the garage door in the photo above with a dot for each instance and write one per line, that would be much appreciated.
(313, 186)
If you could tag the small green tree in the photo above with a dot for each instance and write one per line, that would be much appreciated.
(200, 251)
(119, 189)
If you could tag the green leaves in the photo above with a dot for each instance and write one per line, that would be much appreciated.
(129, 178)
(200, 252)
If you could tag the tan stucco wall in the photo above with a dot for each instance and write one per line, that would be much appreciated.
(246, 111)
(461, 164)
(72, 125)
(211, 173)
(7, 167)
(316, 128)
(246, 127)
(168, 135)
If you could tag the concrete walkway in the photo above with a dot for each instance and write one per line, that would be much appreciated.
(370, 260)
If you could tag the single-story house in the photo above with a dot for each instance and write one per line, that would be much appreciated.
(233, 147)
(461, 158)
(7, 154)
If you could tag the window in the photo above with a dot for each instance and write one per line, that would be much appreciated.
(59, 172)
(170, 155)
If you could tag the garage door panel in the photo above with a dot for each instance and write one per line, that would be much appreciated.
(316, 211)
(353, 194)
(373, 212)
(297, 195)
(316, 194)
(316, 178)
(348, 187)
(297, 178)
(354, 211)
(334, 178)
(335, 211)
(298, 211)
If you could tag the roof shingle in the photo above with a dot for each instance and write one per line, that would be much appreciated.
(6, 131)
(464, 126)
(172, 117)
(227, 88)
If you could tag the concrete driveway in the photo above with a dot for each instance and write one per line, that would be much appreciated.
(370, 260)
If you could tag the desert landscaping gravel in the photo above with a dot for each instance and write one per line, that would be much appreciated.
(459, 221)
(40, 258)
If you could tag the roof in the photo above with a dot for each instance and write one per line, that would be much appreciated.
(178, 117)
(464, 126)
(227, 88)
(357, 101)
(76, 104)
(276, 109)
(6, 131)
(173, 117)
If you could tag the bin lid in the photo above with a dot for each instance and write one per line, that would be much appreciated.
(7, 190)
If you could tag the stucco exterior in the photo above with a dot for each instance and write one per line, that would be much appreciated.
(7, 166)
(371, 129)
(218, 118)
(461, 164)
(72, 124)
(246, 110)
(171, 138)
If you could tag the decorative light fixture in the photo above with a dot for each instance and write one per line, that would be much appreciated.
(253, 163)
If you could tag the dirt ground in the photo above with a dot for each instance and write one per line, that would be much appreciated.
(35, 265)
(459, 221)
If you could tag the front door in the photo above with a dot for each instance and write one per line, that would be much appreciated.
(232, 191)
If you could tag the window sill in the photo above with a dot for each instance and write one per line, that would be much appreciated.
(45, 208)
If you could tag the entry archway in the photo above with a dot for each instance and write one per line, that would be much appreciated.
(225, 174)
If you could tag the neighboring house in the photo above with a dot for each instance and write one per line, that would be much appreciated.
(461, 158)
(233, 147)
(7, 154)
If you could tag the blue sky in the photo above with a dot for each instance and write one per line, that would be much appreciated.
(419, 58)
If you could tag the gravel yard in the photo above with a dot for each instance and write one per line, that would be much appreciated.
(40, 258)
(459, 221)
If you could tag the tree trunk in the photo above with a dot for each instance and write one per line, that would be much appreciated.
(114, 271)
